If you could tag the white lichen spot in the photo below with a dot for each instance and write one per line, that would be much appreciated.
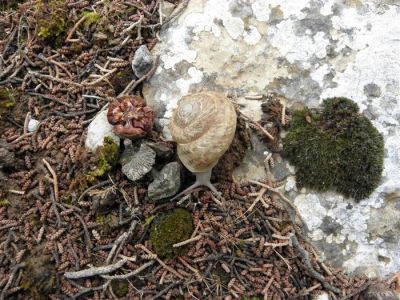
(178, 49)
(261, 10)
(319, 74)
(297, 48)
(290, 184)
(196, 76)
(317, 235)
(310, 207)
(251, 36)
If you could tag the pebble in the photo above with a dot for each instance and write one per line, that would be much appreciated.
(166, 183)
(33, 125)
(142, 61)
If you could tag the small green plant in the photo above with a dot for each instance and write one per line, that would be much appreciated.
(169, 229)
(335, 149)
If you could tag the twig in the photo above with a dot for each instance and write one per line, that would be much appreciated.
(11, 279)
(95, 270)
(187, 241)
(306, 257)
(130, 274)
(55, 179)
(81, 20)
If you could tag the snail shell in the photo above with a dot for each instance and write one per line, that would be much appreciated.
(203, 125)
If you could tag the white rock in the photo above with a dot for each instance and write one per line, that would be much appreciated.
(306, 51)
(322, 296)
(98, 129)
(33, 124)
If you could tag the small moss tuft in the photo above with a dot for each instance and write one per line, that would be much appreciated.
(169, 229)
(120, 287)
(91, 18)
(4, 202)
(335, 149)
(107, 223)
(108, 156)
(52, 21)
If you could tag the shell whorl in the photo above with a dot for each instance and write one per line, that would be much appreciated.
(203, 125)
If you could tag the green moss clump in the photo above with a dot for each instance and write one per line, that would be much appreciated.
(121, 79)
(52, 21)
(169, 229)
(107, 223)
(4, 202)
(91, 18)
(335, 149)
(7, 101)
(120, 287)
(108, 156)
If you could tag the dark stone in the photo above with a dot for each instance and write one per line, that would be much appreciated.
(166, 183)
(142, 61)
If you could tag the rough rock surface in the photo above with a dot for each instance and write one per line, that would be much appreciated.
(166, 183)
(98, 129)
(304, 50)
(136, 164)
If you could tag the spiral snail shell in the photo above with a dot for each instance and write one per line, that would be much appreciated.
(203, 126)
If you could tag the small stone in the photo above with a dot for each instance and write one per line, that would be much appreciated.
(322, 296)
(167, 8)
(142, 61)
(166, 183)
(140, 163)
(162, 151)
(33, 125)
(98, 129)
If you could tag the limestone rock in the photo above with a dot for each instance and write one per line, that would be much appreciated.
(98, 129)
(305, 51)
(142, 61)
(139, 164)
(166, 183)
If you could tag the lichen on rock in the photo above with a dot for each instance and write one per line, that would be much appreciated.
(335, 149)
(169, 229)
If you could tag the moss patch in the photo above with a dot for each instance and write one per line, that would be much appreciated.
(335, 149)
(120, 287)
(91, 17)
(52, 21)
(7, 101)
(107, 223)
(108, 156)
(169, 229)
(4, 202)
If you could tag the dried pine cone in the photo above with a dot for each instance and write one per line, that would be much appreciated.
(130, 116)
